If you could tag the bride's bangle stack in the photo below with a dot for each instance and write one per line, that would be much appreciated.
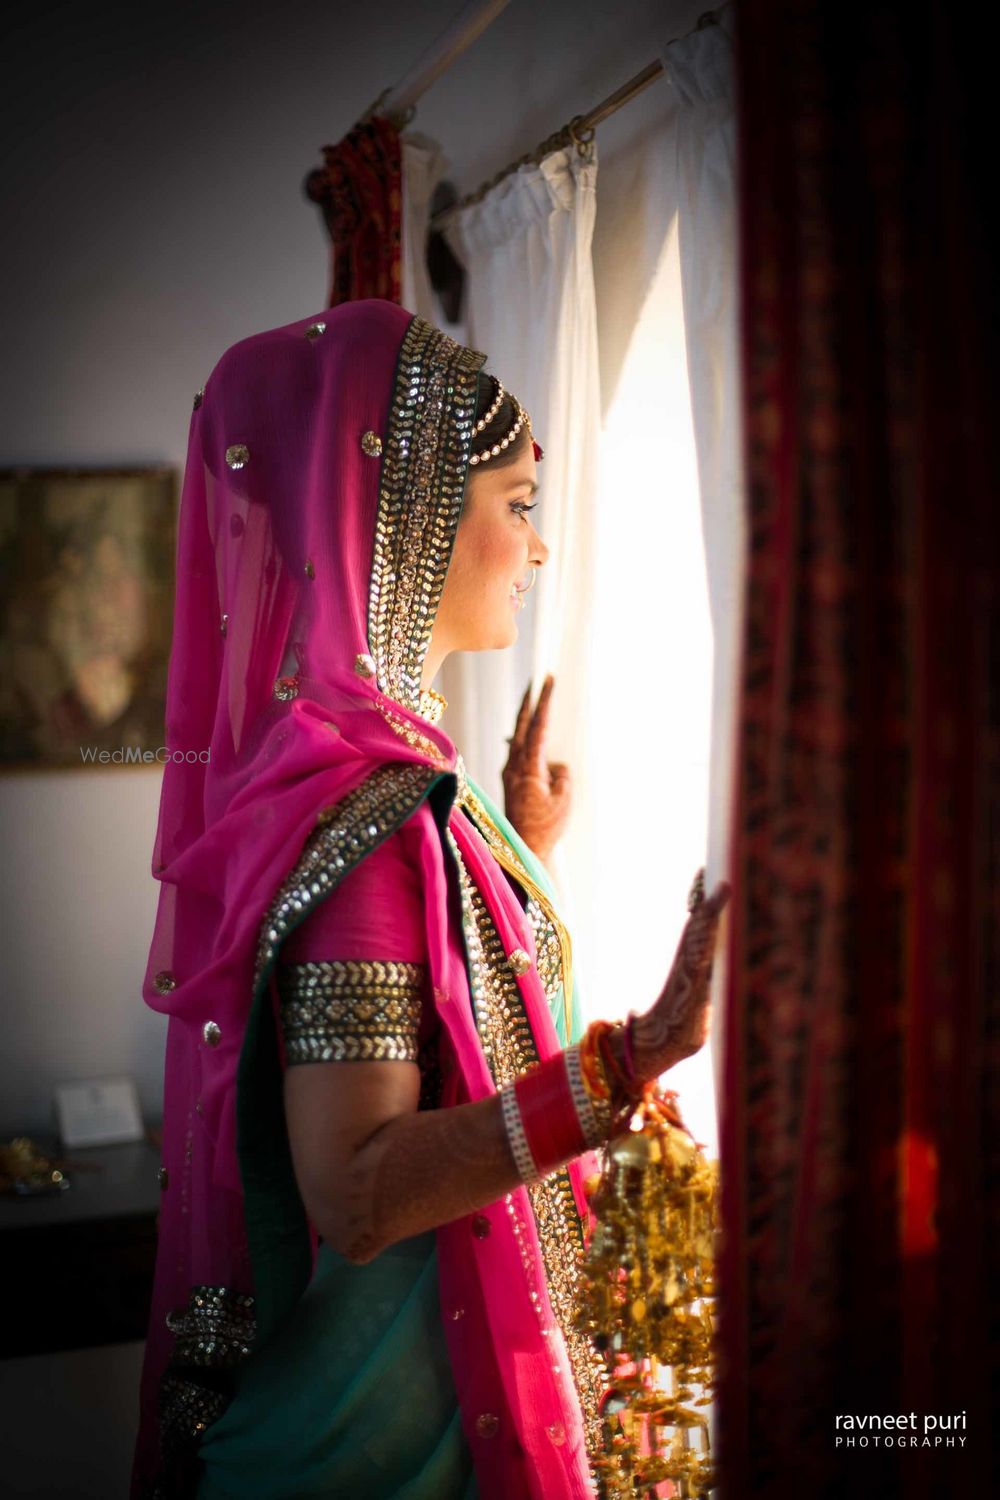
(565, 1105)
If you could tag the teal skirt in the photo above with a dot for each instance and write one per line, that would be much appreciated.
(352, 1396)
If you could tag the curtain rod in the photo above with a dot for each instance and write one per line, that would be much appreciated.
(580, 130)
(398, 102)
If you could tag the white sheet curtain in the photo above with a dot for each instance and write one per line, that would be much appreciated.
(699, 68)
(645, 698)
(526, 249)
(424, 164)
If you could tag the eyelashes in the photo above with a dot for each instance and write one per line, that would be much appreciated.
(521, 508)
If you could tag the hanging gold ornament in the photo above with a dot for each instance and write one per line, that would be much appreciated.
(647, 1302)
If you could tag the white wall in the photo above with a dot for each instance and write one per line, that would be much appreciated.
(152, 168)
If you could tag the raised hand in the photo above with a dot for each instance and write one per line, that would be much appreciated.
(537, 792)
(677, 1025)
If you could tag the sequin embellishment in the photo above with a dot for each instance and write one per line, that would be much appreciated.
(408, 732)
(424, 468)
(164, 982)
(510, 1048)
(212, 1034)
(371, 444)
(285, 689)
(237, 455)
(431, 705)
(364, 665)
(214, 1334)
(216, 1328)
(199, 397)
(351, 1010)
(342, 837)
(315, 330)
(548, 952)
(519, 961)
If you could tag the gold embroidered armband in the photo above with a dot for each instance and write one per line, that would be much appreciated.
(351, 1010)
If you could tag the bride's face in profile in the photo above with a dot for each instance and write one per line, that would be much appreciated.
(495, 545)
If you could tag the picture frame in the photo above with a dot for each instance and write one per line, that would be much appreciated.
(98, 1112)
(86, 614)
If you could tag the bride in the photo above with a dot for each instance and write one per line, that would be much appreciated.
(380, 1100)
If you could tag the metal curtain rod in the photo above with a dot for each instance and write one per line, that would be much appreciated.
(580, 130)
(399, 101)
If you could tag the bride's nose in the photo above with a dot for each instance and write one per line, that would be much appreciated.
(539, 552)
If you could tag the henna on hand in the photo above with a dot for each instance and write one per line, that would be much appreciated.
(423, 1169)
(677, 1026)
(537, 792)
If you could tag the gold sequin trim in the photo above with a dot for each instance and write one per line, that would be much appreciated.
(343, 835)
(432, 705)
(409, 732)
(548, 952)
(510, 1049)
(213, 1334)
(186, 1408)
(424, 467)
(216, 1328)
(508, 857)
(351, 1010)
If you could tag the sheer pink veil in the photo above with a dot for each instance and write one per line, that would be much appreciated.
(325, 476)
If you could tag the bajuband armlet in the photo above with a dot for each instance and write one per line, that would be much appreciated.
(351, 1010)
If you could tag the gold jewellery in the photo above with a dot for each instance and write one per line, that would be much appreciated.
(521, 419)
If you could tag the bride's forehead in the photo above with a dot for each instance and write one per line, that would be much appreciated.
(521, 475)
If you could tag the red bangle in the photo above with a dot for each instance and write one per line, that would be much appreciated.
(548, 1114)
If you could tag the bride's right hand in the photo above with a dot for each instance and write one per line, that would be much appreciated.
(677, 1025)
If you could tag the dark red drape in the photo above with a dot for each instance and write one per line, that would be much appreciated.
(359, 190)
(862, 1045)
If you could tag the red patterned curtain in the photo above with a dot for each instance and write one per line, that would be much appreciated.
(359, 190)
(862, 1044)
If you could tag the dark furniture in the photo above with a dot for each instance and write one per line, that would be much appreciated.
(76, 1268)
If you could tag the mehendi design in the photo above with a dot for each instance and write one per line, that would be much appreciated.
(675, 1027)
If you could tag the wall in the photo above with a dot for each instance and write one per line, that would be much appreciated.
(155, 214)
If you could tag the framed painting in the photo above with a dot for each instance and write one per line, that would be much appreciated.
(86, 605)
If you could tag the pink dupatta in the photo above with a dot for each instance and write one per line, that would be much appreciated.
(326, 470)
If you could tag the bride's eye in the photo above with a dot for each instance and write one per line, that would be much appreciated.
(521, 508)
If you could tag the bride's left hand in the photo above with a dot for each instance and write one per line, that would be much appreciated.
(537, 793)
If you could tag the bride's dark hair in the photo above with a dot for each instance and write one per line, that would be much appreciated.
(498, 428)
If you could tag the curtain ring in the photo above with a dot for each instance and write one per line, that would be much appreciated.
(582, 139)
(373, 108)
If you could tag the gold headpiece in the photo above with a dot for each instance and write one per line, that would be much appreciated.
(521, 419)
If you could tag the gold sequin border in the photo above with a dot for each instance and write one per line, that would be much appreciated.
(346, 1010)
(547, 949)
(508, 857)
(343, 835)
(216, 1329)
(421, 488)
(510, 1049)
(213, 1334)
